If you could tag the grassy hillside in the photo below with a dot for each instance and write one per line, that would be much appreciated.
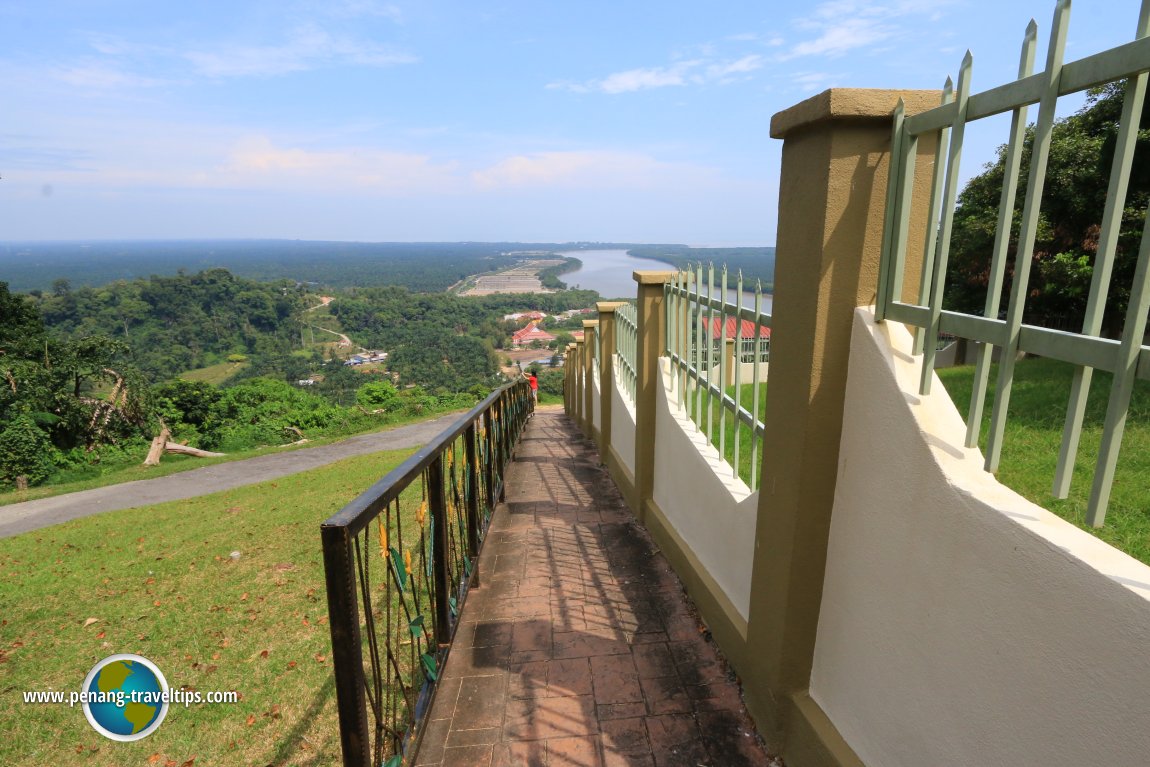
(161, 581)
(1033, 436)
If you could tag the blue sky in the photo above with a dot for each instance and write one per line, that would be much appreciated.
(431, 120)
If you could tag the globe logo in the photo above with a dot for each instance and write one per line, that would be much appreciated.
(125, 697)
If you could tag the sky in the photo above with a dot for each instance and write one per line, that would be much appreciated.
(430, 120)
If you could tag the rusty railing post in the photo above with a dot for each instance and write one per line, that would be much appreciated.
(346, 647)
(437, 502)
(470, 454)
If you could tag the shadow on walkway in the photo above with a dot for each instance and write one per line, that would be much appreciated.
(580, 649)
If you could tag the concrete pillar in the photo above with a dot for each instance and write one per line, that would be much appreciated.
(580, 384)
(569, 381)
(729, 362)
(831, 205)
(651, 340)
(606, 372)
(590, 341)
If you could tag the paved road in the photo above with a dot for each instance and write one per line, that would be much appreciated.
(31, 515)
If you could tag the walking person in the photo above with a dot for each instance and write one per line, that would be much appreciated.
(531, 379)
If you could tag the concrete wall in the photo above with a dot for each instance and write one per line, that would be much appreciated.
(712, 512)
(621, 460)
(596, 400)
(960, 624)
(746, 373)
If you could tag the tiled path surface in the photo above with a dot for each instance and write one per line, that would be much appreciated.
(579, 649)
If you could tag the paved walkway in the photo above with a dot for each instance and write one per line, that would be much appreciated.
(579, 648)
(19, 518)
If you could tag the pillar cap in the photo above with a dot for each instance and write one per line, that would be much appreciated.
(590, 323)
(648, 277)
(851, 104)
(608, 307)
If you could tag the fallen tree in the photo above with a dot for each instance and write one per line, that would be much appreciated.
(163, 444)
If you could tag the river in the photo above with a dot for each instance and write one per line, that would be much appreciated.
(610, 273)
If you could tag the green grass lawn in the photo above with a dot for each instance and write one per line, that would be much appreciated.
(1030, 450)
(722, 426)
(159, 581)
(1033, 436)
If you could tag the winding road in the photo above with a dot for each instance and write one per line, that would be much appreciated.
(19, 518)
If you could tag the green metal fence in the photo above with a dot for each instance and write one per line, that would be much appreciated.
(1126, 358)
(626, 345)
(710, 382)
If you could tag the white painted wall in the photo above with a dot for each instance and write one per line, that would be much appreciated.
(713, 512)
(961, 624)
(746, 373)
(596, 401)
(622, 422)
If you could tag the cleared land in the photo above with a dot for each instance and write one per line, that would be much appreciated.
(523, 278)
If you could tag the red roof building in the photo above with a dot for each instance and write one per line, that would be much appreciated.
(720, 329)
(746, 331)
(531, 334)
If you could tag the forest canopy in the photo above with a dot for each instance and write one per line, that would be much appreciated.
(1074, 197)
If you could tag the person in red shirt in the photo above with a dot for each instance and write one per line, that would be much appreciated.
(531, 379)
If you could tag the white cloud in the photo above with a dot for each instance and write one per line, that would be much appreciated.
(642, 79)
(691, 72)
(352, 9)
(309, 47)
(741, 66)
(97, 75)
(814, 81)
(842, 26)
(258, 162)
(589, 169)
(841, 37)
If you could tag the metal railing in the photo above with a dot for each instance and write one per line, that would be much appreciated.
(1126, 358)
(592, 336)
(398, 562)
(710, 381)
(626, 346)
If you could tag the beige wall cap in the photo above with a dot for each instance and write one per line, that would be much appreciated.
(607, 307)
(850, 104)
(652, 277)
(590, 323)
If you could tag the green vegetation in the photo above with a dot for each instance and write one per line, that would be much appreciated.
(244, 421)
(88, 372)
(1074, 197)
(755, 263)
(217, 374)
(442, 341)
(161, 581)
(418, 266)
(1033, 436)
(549, 277)
(720, 416)
(171, 324)
(550, 384)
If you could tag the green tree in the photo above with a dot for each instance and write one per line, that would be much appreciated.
(1074, 197)
(26, 451)
(378, 395)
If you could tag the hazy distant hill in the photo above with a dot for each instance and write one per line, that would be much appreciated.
(421, 267)
(418, 266)
(756, 263)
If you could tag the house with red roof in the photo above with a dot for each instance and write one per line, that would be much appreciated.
(531, 334)
(727, 327)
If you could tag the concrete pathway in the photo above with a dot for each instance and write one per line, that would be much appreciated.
(31, 515)
(579, 648)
